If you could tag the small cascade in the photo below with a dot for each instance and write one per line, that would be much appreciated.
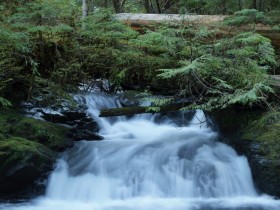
(149, 164)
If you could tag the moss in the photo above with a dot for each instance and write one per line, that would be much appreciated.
(6, 113)
(13, 123)
(51, 135)
(16, 150)
(132, 94)
(266, 132)
(232, 120)
(27, 149)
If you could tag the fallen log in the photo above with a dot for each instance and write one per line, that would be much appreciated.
(147, 19)
(138, 21)
(139, 110)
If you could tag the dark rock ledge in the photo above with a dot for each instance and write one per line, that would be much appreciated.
(29, 147)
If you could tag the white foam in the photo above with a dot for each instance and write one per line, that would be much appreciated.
(143, 165)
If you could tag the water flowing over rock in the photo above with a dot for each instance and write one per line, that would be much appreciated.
(149, 163)
(256, 134)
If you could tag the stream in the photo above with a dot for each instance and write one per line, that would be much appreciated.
(149, 162)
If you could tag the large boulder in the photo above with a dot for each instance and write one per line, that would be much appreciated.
(51, 135)
(29, 146)
(21, 163)
(82, 127)
(28, 150)
(263, 137)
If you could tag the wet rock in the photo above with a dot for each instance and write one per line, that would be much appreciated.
(82, 127)
(28, 146)
(130, 98)
(22, 162)
(74, 115)
(54, 118)
(263, 152)
(28, 150)
(77, 134)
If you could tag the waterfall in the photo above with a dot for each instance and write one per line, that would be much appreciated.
(149, 163)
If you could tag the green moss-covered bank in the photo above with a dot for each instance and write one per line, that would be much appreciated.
(28, 150)
(263, 136)
(256, 134)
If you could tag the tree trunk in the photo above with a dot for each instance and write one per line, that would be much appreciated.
(85, 8)
(122, 5)
(152, 9)
(240, 4)
(106, 4)
(31, 85)
(224, 5)
(158, 7)
(254, 4)
(147, 6)
(260, 5)
(41, 40)
(167, 5)
(117, 6)
(42, 50)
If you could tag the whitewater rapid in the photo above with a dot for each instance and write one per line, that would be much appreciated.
(149, 163)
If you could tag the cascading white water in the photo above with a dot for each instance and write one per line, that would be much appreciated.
(144, 165)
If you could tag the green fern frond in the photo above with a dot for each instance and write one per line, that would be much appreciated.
(222, 84)
(170, 73)
(4, 102)
(152, 109)
(157, 102)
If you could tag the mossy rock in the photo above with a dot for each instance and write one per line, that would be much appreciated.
(266, 132)
(28, 150)
(231, 121)
(19, 150)
(21, 162)
(264, 155)
(51, 135)
(256, 134)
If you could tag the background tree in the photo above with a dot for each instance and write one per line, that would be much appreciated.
(85, 8)
(147, 6)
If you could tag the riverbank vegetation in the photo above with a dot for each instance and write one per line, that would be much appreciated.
(54, 41)
(48, 47)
